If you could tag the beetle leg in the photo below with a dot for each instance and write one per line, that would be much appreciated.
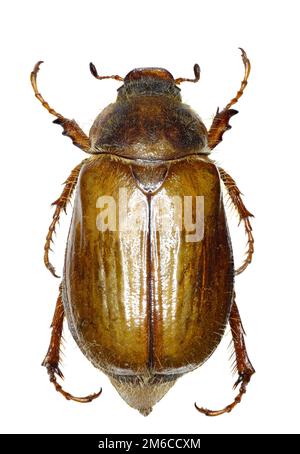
(70, 127)
(220, 122)
(61, 204)
(52, 358)
(245, 215)
(243, 364)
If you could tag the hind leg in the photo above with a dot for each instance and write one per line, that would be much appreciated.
(243, 364)
(52, 358)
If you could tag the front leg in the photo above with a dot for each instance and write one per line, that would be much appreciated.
(220, 122)
(70, 127)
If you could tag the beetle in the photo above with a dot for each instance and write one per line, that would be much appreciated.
(146, 305)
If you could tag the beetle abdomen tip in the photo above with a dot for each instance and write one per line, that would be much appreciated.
(142, 392)
(145, 411)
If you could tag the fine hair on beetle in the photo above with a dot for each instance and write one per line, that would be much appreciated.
(147, 288)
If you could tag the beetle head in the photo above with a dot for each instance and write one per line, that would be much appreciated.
(149, 81)
(146, 73)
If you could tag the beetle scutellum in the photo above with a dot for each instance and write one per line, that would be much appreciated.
(146, 305)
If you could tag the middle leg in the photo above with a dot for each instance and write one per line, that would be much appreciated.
(245, 215)
(61, 204)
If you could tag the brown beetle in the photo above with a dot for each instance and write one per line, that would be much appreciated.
(146, 305)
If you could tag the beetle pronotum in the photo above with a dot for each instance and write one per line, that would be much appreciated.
(145, 304)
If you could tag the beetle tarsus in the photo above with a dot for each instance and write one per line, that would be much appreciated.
(71, 128)
(250, 250)
(243, 364)
(51, 268)
(60, 204)
(33, 80)
(244, 215)
(52, 358)
(244, 82)
(220, 122)
(244, 380)
(53, 371)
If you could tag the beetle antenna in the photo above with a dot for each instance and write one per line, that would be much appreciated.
(197, 76)
(95, 74)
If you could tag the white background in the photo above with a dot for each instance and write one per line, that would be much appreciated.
(261, 152)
